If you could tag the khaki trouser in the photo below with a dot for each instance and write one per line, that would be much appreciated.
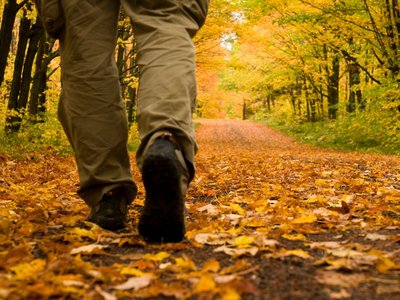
(91, 110)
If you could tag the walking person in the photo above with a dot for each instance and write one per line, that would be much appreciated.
(92, 113)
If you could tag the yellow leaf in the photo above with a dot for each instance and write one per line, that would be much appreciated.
(294, 237)
(305, 219)
(211, 266)
(238, 209)
(82, 233)
(256, 223)
(230, 294)
(185, 263)
(243, 241)
(28, 270)
(132, 271)
(298, 252)
(383, 264)
(205, 284)
(160, 256)
(321, 183)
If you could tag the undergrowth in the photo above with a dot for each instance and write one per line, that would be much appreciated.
(377, 132)
(46, 136)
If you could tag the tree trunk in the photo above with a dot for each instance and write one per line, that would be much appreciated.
(355, 96)
(36, 33)
(6, 32)
(40, 72)
(393, 35)
(13, 114)
(293, 101)
(333, 88)
(131, 105)
(39, 85)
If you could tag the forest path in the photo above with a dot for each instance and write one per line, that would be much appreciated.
(267, 218)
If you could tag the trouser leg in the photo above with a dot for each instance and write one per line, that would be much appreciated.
(167, 88)
(91, 110)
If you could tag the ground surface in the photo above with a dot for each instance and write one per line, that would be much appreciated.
(267, 218)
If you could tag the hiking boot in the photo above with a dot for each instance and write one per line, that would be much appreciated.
(165, 179)
(111, 212)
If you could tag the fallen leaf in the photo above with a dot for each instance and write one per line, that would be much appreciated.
(237, 252)
(263, 242)
(185, 264)
(297, 252)
(73, 283)
(211, 265)
(339, 279)
(224, 278)
(210, 209)
(28, 270)
(211, 239)
(135, 283)
(160, 256)
(383, 264)
(104, 294)
(205, 284)
(325, 245)
(82, 233)
(230, 294)
(237, 208)
(341, 294)
(305, 219)
(87, 249)
(376, 237)
(294, 237)
(132, 271)
(242, 241)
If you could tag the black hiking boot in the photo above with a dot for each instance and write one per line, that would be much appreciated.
(111, 212)
(165, 180)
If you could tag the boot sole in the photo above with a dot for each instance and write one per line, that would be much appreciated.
(162, 220)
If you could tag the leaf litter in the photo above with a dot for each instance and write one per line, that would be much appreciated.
(267, 218)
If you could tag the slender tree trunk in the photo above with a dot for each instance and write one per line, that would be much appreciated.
(392, 34)
(292, 99)
(36, 33)
(333, 88)
(13, 114)
(307, 99)
(6, 32)
(131, 105)
(37, 99)
(40, 72)
(355, 96)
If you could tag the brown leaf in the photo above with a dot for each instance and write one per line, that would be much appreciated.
(135, 283)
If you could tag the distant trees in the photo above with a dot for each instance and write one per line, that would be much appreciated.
(27, 56)
(327, 56)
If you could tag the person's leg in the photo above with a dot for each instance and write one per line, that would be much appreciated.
(91, 110)
(167, 91)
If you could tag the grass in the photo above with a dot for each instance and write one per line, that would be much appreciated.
(370, 134)
(44, 137)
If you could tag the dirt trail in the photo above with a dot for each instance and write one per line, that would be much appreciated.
(267, 218)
